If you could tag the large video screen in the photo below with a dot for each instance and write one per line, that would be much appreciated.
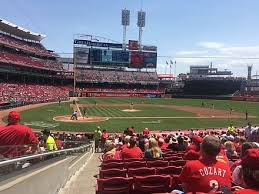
(106, 56)
(81, 55)
(136, 60)
(150, 60)
(121, 56)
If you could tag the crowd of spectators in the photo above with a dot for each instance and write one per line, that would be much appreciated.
(115, 76)
(119, 90)
(33, 47)
(17, 140)
(32, 93)
(214, 161)
(14, 58)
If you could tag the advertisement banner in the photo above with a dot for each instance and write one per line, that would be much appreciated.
(136, 60)
(106, 56)
(150, 60)
(97, 44)
(150, 48)
(133, 45)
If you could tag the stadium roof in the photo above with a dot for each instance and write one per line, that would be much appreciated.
(13, 29)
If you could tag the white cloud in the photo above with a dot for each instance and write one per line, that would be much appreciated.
(211, 45)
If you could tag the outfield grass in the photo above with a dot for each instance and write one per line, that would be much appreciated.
(43, 116)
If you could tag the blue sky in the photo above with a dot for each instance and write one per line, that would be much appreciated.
(180, 28)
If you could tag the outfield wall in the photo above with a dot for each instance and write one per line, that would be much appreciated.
(236, 98)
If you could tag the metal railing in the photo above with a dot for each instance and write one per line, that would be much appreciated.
(80, 149)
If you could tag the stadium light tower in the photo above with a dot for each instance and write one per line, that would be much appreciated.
(125, 21)
(141, 25)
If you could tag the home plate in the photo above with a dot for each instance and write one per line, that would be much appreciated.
(130, 110)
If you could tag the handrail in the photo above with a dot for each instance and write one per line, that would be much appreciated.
(25, 158)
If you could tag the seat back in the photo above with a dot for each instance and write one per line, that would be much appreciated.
(157, 163)
(136, 164)
(113, 172)
(177, 163)
(118, 165)
(109, 161)
(152, 183)
(141, 171)
(170, 170)
(116, 185)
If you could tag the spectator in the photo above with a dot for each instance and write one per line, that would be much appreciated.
(230, 149)
(248, 131)
(153, 151)
(206, 174)
(132, 151)
(250, 172)
(231, 129)
(125, 142)
(146, 131)
(97, 138)
(49, 140)
(104, 137)
(237, 168)
(59, 142)
(14, 134)
(196, 141)
(162, 144)
(111, 152)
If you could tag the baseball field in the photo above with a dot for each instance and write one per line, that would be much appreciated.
(116, 114)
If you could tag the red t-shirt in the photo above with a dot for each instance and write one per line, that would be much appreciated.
(246, 191)
(16, 134)
(129, 152)
(192, 147)
(201, 177)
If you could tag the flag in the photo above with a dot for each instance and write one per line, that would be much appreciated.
(166, 62)
(171, 62)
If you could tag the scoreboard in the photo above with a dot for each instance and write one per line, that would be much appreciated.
(111, 54)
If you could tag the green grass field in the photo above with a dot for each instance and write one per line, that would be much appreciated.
(43, 117)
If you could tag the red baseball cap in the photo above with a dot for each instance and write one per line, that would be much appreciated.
(14, 116)
(251, 159)
(197, 138)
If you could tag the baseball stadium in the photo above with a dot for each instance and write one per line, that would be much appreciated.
(104, 119)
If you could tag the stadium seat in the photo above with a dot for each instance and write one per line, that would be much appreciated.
(109, 161)
(118, 165)
(152, 183)
(112, 173)
(177, 158)
(177, 163)
(136, 164)
(117, 185)
(157, 163)
(141, 171)
(170, 170)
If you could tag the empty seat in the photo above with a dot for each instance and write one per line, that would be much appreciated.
(117, 185)
(118, 165)
(141, 171)
(109, 161)
(177, 158)
(136, 164)
(170, 170)
(152, 183)
(177, 163)
(157, 163)
(113, 173)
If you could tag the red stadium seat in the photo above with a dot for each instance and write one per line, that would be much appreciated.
(118, 165)
(141, 171)
(157, 163)
(109, 161)
(113, 173)
(170, 170)
(117, 185)
(177, 163)
(136, 164)
(152, 183)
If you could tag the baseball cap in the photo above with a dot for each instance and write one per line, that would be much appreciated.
(197, 138)
(251, 159)
(14, 116)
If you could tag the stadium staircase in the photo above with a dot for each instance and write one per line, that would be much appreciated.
(84, 181)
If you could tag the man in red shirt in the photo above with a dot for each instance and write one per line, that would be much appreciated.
(206, 174)
(14, 136)
(132, 151)
(196, 141)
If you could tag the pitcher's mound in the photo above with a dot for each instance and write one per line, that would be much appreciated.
(130, 110)
(90, 119)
